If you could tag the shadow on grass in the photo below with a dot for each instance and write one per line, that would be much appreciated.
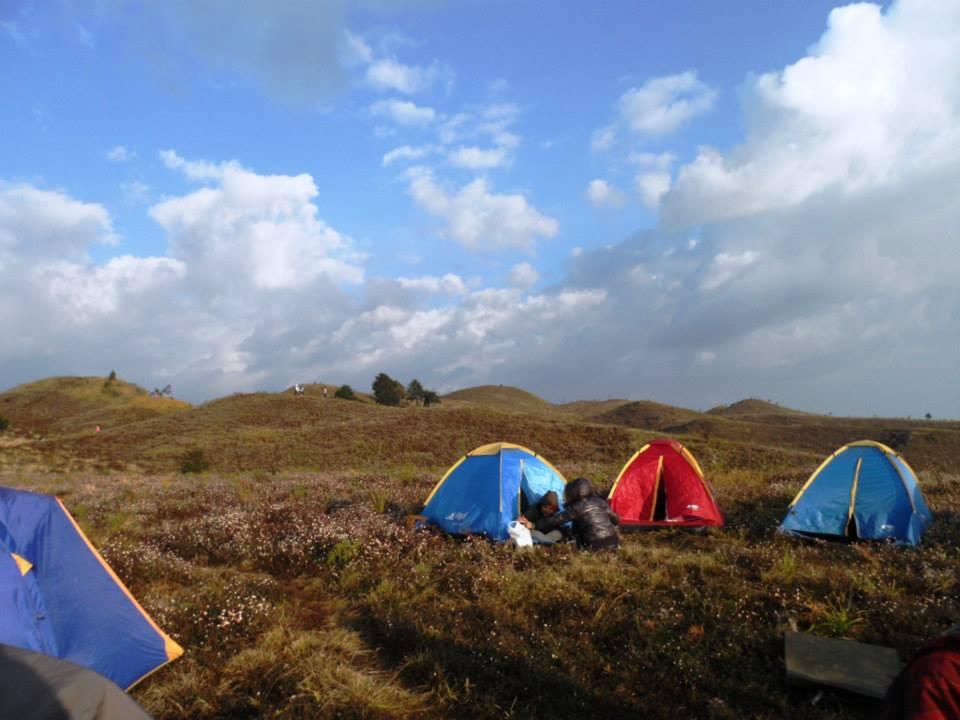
(483, 681)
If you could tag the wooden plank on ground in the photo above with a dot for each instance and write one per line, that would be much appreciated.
(845, 664)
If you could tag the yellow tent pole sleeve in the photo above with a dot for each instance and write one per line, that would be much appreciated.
(853, 490)
(688, 456)
(692, 462)
(624, 469)
(871, 443)
(814, 476)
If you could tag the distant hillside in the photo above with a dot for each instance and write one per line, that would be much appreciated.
(503, 397)
(66, 405)
(589, 409)
(55, 419)
(753, 407)
(277, 431)
(646, 414)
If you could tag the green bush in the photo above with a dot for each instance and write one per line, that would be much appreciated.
(193, 461)
(345, 392)
(4, 423)
(415, 391)
(343, 552)
(388, 391)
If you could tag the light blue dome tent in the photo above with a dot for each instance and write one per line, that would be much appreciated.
(863, 491)
(483, 491)
(59, 597)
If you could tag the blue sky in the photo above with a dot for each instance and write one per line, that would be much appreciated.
(683, 201)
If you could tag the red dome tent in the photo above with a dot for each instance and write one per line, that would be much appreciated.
(662, 485)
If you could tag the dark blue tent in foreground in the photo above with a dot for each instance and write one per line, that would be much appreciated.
(59, 597)
(863, 491)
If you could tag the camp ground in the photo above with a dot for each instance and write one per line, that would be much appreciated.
(862, 491)
(663, 485)
(59, 597)
(287, 572)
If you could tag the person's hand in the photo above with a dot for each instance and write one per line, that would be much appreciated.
(526, 523)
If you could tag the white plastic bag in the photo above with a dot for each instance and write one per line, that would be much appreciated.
(519, 534)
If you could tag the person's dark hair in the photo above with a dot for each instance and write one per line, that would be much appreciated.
(550, 498)
(579, 489)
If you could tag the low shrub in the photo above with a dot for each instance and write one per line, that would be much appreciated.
(194, 461)
(345, 392)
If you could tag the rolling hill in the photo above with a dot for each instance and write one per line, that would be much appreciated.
(57, 417)
(752, 407)
(504, 398)
(647, 414)
(279, 431)
(64, 405)
(589, 409)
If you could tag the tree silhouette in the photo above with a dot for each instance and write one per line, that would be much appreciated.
(415, 391)
(387, 391)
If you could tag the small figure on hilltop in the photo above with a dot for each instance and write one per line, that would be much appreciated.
(594, 523)
(531, 518)
(323, 388)
(298, 389)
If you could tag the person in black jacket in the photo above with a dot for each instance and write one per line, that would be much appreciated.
(594, 523)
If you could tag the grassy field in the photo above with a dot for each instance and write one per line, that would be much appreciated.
(288, 574)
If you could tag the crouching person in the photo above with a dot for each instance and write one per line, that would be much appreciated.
(594, 523)
(928, 688)
(535, 515)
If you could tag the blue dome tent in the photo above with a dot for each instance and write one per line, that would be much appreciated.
(863, 491)
(59, 597)
(483, 491)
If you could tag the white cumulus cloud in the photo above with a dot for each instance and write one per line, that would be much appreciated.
(390, 74)
(849, 117)
(50, 224)
(121, 153)
(660, 106)
(448, 284)
(406, 153)
(479, 219)
(404, 112)
(523, 275)
(664, 104)
(652, 186)
(262, 229)
(475, 158)
(195, 169)
(601, 194)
